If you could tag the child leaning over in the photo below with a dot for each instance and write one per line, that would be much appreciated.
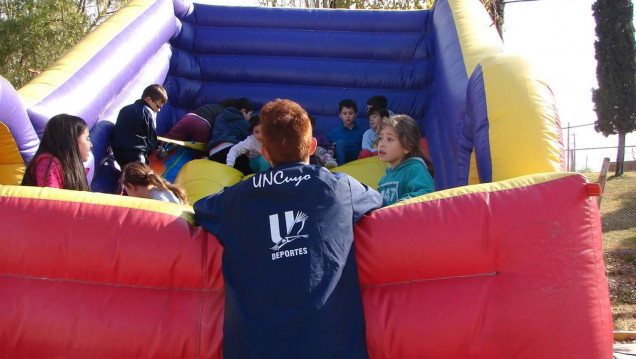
(134, 136)
(139, 181)
(410, 173)
(291, 281)
(251, 146)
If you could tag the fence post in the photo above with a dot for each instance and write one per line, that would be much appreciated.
(602, 177)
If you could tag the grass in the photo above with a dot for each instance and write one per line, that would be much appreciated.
(618, 216)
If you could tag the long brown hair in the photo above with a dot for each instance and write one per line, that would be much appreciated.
(60, 140)
(410, 136)
(140, 174)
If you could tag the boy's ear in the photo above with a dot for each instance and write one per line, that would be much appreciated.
(312, 148)
(265, 154)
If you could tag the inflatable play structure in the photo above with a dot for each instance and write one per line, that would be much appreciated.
(504, 261)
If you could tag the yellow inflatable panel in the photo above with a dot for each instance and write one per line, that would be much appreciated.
(475, 32)
(126, 202)
(201, 178)
(367, 170)
(11, 163)
(199, 146)
(524, 129)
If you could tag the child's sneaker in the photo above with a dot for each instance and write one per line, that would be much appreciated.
(164, 151)
(331, 164)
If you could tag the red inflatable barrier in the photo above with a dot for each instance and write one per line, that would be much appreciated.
(512, 269)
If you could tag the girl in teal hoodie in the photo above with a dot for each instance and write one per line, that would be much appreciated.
(409, 172)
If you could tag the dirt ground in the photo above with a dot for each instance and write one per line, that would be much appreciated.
(618, 216)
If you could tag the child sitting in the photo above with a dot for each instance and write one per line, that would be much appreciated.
(139, 181)
(58, 162)
(251, 146)
(378, 101)
(291, 282)
(370, 137)
(347, 137)
(410, 172)
(324, 150)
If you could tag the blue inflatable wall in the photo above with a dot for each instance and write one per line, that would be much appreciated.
(421, 61)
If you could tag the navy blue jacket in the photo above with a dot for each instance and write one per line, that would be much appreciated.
(135, 128)
(291, 281)
(230, 126)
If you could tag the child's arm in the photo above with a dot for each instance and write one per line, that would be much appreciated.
(239, 149)
(48, 172)
(420, 183)
(209, 212)
(364, 199)
(367, 140)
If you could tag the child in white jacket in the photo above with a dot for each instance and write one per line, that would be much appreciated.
(251, 147)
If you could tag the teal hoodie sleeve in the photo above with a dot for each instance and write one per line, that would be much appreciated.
(420, 182)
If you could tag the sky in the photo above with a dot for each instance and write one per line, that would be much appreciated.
(557, 37)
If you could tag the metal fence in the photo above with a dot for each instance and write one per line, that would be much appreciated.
(585, 148)
(585, 152)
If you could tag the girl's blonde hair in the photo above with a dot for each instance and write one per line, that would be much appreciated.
(140, 174)
(409, 135)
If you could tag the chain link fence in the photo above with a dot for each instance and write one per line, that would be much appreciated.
(585, 152)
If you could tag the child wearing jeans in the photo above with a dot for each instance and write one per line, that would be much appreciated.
(347, 137)
(324, 150)
(410, 173)
(251, 147)
(291, 282)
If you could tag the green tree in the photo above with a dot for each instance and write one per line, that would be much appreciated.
(615, 98)
(350, 4)
(495, 9)
(35, 33)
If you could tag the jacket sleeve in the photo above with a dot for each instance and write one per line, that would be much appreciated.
(364, 199)
(151, 132)
(238, 149)
(210, 211)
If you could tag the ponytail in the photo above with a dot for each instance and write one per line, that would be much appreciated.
(140, 174)
(163, 185)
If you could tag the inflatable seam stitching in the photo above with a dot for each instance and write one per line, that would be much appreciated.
(487, 274)
(80, 281)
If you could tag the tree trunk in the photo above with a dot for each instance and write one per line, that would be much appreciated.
(620, 156)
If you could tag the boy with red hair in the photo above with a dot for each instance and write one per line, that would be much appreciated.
(291, 281)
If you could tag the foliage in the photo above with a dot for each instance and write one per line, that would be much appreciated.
(495, 9)
(35, 33)
(615, 71)
(350, 4)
